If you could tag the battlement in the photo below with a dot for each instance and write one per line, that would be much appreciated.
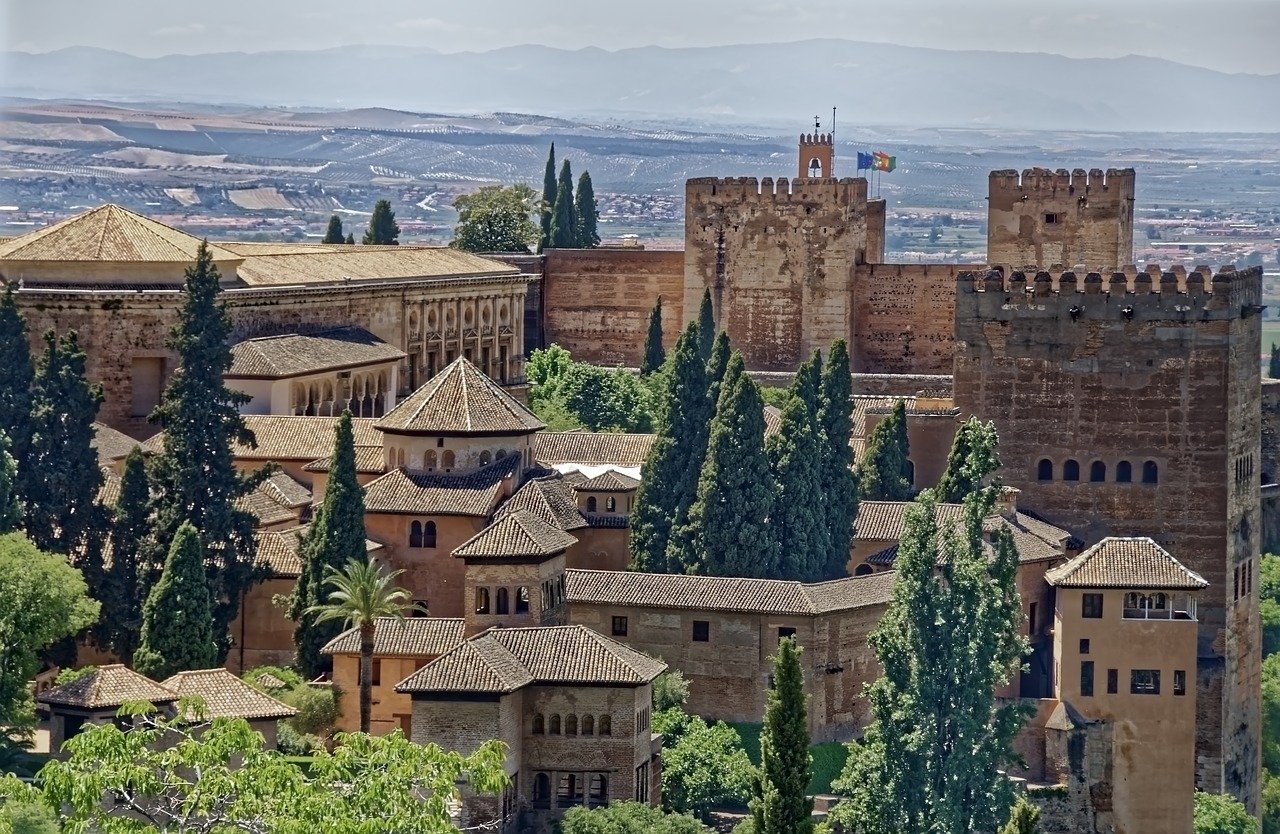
(816, 139)
(1041, 181)
(781, 190)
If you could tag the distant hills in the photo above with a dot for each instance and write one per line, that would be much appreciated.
(759, 84)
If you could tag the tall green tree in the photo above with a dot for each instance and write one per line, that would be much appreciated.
(16, 374)
(807, 383)
(1273, 368)
(335, 538)
(1024, 818)
(704, 766)
(195, 478)
(548, 206)
(124, 586)
(10, 510)
(588, 214)
(654, 353)
(177, 618)
(729, 531)
(839, 485)
(706, 326)
(780, 802)
(59, 477)
(721, 353)
(351, 239)
(972, 459)
(333, 234)
(800, 524)
(359, 594)
(933, 759)
(1222, 814)
(564, 219)
(382, 230)
(496, 218)
(884, 473)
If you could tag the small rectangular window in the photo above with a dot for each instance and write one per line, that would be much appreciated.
(1031, 620)
(1091, 606)
(1086, 677)
(1113, 681)
(619, 626)
(701, 631)
(784, 632)
(1051, 217)
(1179, 682)
(1084, 645)
(1144, 682)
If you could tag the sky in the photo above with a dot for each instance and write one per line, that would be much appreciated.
(1226, 35)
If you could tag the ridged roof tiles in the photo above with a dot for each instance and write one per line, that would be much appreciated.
(1137, 563)
(515, 534)
(460, 400)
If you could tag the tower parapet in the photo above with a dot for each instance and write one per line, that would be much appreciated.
(817, 155)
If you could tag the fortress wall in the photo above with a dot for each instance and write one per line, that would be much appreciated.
(904, 318)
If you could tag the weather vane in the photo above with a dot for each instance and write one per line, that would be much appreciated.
(817, 124)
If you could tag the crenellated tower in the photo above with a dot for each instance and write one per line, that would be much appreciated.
(817, 156)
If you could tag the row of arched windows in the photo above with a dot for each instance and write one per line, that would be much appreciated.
(1098, 471)
(610, 504)
(499, 602)
(446, 460)
(554, 725)
(422, 534)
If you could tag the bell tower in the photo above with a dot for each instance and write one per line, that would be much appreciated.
(817, 154)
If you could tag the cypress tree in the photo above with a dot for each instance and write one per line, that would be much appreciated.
(884, 474)
(336, 537)
(839, 484)
(195, 478)
(177, 618)
(781, 803)
(588, 214)
(808, 383)
(800, 523)
(729, 523)
(382, 230)
(972, 458)
(721, 352)
(706, 326)
(125, 583)
(564, 227)
(10, 510)
(654, 353)
(60, 477)
(16, 375)
(351, 239)
(548, 199)
(334, 233)
(1273, 368)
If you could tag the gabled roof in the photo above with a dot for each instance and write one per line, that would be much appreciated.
(108, 233)
(883, 520)
(111, 445)
(108, 687)
(514, 534)
(591, 448)
(1125, 563)
(294, 354)
(410, 637)
(278, 550)
(505, 659)
(412, 492)
(276, 500)
(283, 437)
(611, 480)
(550, 499)
(370, 460)
(226, 696)
(460, 400)
(342, 264)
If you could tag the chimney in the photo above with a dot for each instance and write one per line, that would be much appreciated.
(1007, 502)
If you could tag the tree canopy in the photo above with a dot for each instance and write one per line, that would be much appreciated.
(16, 374)
(333, 234)
(546, 209)
(588, 214)
(884, 473)
(704, 766)
(971, 460)
(654, 352)
(1222, 814)
(124, 588)
(839, 485)
(382, 230)
(564, 214)
(177, 618)
(629, 818)
(496, 218)
(780, 802)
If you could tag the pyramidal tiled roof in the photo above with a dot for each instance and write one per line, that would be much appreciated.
(517, 533)
(226, 696)
(108, 687)
(460, 400)
(611, 480)
(550, 499)
(109, 233)
(1125, 563)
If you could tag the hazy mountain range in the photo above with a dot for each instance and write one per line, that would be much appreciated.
(759, 84)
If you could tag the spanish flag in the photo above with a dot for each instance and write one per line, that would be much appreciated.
(884, 162)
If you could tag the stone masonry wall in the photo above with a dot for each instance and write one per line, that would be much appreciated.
(904, 318)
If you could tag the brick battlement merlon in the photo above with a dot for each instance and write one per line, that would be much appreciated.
(816, 139)
(1042, 181)
(851, 189)
(1154, 294)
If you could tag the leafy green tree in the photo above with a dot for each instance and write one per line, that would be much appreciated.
(123, 589)
(548, 205)
(807, 383)
(361, 593)
(884, 473)
(1270, 803)
(628, 818)
(706, 326)
(496, 218)
(1217, 813)
(670, 690)
(195, 479)
(333, 234)
(780, 802)
(588, 214)
(10, 510)
(16, 374)
(1271, 713)
(704, 766)
(1024, 818)
(382, 230)
(729, 532)
(335, 538)
(564, 219)
(799, 522)
(42, 599)
(59, 478)
(177, 618)
(839, 485)
(1273, 367)
(607, 400)
(654, 353)
(934, 756)
(971, 460)
(1269, 603)
(22, 809)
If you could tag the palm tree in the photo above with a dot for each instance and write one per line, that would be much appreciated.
(363, 592)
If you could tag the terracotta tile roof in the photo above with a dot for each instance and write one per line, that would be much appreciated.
(283, 437)
(286, 490)
(412, 492)
(603, 520)
(410, 637)
(293, 354)
(724, 593)
(460, 400)
(110, 444)
(278, 550)
(226, 696)
(506, 659)
(108, 687)
(611, 480)
(109, 492)
(883, 557)
(591, 448)
(882, 520)
(772, 420)
(369, 460)
(343, 264)
(517, 533)
(1125, 563)
(1035, 540)
(550, 499)
(276, 500)
(108, 233)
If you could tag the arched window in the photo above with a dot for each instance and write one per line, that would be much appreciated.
(448, 460)
(504, 604)
(1150, 472)
(588, 725)
(911, 472)
(1097, 472)
(1160, 602)
(522, 600)
(1044, 471)
(571, 725)
(1124, 472)
(1133, 600)
(429, 460)
(502, 453)
(610, 504)
(400, 458)
(542, 789)
(1071, 471)
(591, 504)
(606, 725)
(415, 534)
(485, 458)
(429, 534)
(482, 600)
(598, 790)
(862, 570)
(554, 725)
(539, 724)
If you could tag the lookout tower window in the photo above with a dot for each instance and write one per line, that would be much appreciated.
(1124, 472)
(1052, 218)
(1150, 472)
(1071, 471)
(1044, 472)
(815, 168)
